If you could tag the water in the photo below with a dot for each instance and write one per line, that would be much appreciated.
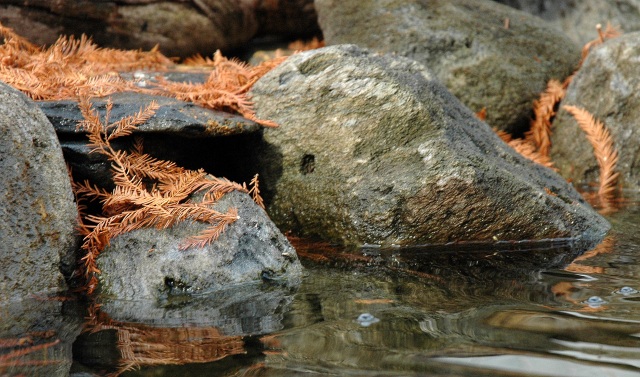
(461, 310)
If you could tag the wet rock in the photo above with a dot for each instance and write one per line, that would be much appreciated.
(371, 149)
(468, 45)
(38, 215)
(147, 263)
(180, 28)
(606, 86)
(578, 19)
(190, 135)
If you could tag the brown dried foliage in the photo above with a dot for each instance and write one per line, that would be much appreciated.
(608, 33)
(537, 142)
(544, 110)
(148, 193)
(72, 68)
(21, 352)
(226, 87)
(603, 149)
(141, 345)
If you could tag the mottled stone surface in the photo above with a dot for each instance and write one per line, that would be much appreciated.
(608, 86)
(38, 215)
(467, 44)
(371, 149)
(148, 264)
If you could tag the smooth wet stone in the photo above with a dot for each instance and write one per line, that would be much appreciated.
(372, 150)
(606, 86)
(38, 215)
(148, 264)
(466, 44)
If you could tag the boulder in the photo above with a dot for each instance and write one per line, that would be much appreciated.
(147, 264)
(180, 28)
(488, 55)
(371, 149)
(578, 19)
(606, 86)
(38, 215)
(180, 131)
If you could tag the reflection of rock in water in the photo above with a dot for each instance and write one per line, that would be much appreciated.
(36, 336)
(250, 309)
(141, 345)
(463, 263)
(183, 329)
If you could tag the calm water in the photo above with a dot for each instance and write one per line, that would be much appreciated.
(465, 310)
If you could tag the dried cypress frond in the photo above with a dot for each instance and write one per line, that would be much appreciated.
(603, 149)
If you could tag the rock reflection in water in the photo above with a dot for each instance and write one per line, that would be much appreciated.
(36, 335)
(140, 345)
(182, 329)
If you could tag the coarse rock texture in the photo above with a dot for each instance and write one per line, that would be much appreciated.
(372, 150)
(179, 131)
(607, 85)
(578, 19)
(179, 28)
(148, 264)
(467, 44)
(38, 215)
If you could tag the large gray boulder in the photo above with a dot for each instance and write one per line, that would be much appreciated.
(38, 215)
(467, 44)
(606, 86)
(578, 19)
(147, 264)
(372, 149)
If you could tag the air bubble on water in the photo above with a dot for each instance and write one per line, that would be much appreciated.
(594, 301)
(367, 319)
(626, 291)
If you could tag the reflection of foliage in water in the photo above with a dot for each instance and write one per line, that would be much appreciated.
(142, 345)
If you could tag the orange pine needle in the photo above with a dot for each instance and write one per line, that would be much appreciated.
(603, 149)
(544, 110)
(149, 192)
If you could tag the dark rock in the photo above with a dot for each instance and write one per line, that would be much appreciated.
(147, 263)
(180, 28)
(370, 149)
(38, 216)
(289, 18)
(578, 19)
(190, 135)
(466, 44)
(607, 87)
